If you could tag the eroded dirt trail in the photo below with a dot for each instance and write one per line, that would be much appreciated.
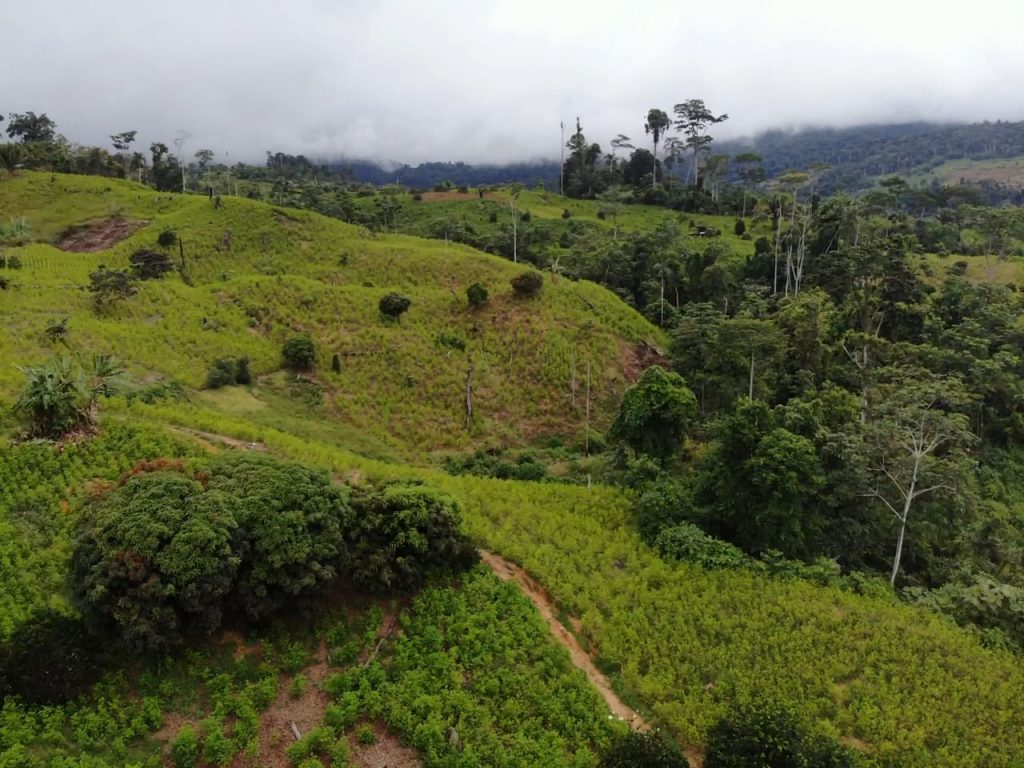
(507, 571)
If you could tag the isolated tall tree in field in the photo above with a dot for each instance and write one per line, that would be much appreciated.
(657, 123)
(917, 446)
(693, 118)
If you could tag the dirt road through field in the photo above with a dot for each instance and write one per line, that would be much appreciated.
(507, 571)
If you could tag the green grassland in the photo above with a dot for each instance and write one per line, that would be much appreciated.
(257, 275)
(1008, 171)
(908, 688)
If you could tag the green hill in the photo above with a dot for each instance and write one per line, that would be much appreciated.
(257, 275)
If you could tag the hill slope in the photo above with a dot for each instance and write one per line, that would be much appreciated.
(258, 274)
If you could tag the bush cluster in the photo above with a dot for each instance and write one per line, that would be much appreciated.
(174, 548)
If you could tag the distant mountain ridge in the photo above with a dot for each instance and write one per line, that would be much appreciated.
(857, 155)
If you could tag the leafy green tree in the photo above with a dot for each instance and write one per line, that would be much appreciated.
(758, 482)
(31, 128)
(394, 305)
(154, 559)
(917, 446)
(762, 734)
(291, 521)
(647, 749)
(122, 142)
(299, 353)
(50, 658)
(656, 414)
(403, 533)
(693, 118)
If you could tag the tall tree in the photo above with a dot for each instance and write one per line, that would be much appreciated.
(693, 118)
(750, 167)
(122, 143)
(657, 123)
(30, 128)
(918, 445)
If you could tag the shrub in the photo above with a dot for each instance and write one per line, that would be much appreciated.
(150, 265)
(217, 748)
(336, 362)
(451, 341)
(154, 558)
(476, 295)
(167, 238)
(299, 353)
(394, 305)
(243, 375)
(688, 543)
(109, 286)
(402, 533)
(761, 734)
(528, 284)
(566, 213)
(49, 658)
(643, 750)
(525, 217)
(366, 735)
(492, 217)
(740, 227)
(222, 373)
(185, 748)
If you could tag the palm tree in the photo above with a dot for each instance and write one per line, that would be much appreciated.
(657, 123)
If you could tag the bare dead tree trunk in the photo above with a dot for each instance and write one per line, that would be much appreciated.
(469, 393)
(586, 430)
(572, 381)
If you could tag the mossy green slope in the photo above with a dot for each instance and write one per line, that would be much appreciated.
(259, 274)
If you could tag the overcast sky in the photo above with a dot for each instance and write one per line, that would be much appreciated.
(489, 80)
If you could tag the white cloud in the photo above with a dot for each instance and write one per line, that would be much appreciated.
(489, 80)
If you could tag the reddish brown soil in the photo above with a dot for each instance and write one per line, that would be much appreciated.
(98, 235)
(636, 358)
(386, 752)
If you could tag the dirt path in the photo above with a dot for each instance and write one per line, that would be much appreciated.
(212, 437)
(507, 571)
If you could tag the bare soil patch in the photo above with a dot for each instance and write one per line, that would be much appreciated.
(636, 358)
(386, 752)
(98, 235)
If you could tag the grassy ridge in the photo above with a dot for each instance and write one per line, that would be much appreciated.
(259, 274)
